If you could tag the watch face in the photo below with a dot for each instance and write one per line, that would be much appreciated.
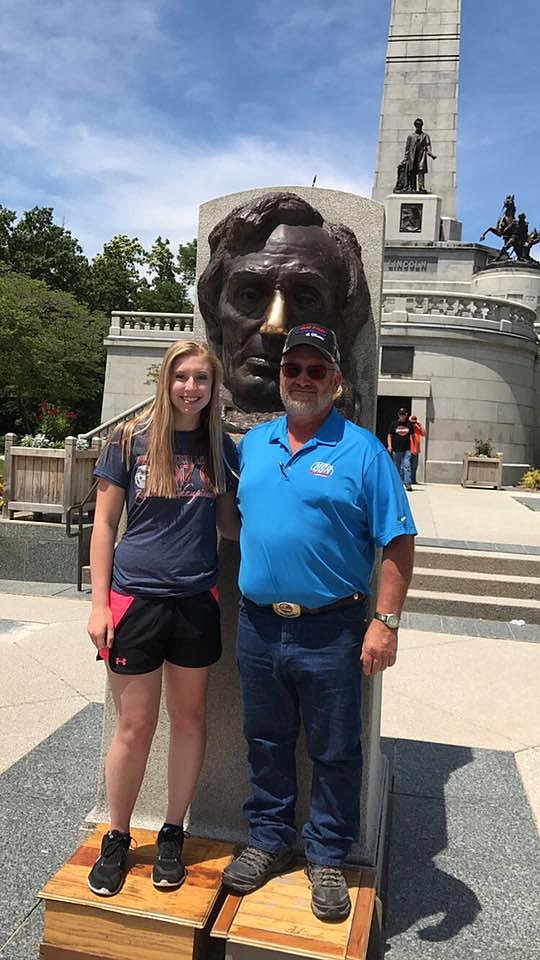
(392, 621)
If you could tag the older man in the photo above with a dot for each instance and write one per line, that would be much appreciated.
(317, 494)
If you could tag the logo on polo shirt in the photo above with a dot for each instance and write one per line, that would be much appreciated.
(321, 469)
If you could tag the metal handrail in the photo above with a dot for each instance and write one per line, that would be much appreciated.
(79, 532)
(107, 424)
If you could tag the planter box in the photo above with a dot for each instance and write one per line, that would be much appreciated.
(482, 472)
(41, 480)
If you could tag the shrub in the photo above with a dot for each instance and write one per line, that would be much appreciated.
(40, 440)
(531, 480)
(55, 420)
(483, 448)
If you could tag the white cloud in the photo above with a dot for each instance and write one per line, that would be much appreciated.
(118, 184)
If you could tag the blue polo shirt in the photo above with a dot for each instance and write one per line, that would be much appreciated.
(311, 521)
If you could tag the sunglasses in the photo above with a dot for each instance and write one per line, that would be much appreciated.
(315, 371)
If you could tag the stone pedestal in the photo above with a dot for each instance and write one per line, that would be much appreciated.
(413, 216)
(450, 229)
(216, 811)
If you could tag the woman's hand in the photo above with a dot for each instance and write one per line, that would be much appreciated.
(100, 627)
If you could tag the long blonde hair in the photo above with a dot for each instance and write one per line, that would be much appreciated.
(157, 420)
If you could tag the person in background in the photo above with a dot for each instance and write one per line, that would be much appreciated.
(416, 444)
(155, 615)
(398, 444)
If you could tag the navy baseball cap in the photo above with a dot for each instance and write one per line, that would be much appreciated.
(312, 335)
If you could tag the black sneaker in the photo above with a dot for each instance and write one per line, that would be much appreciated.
(108, 873)
(168, 870)
(253, 867)
(329, 893)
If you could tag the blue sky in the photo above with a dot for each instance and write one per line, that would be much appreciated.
(125, 116)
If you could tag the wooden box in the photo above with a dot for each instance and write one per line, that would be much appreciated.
(140, 922)
(44, 480)
(277, 919)
(482, 472)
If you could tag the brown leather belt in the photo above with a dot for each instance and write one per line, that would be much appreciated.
(289, 610)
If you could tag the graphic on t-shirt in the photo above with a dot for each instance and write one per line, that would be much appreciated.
(139, 478)
(191, 477)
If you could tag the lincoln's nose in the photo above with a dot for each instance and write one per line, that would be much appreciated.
(275, 317)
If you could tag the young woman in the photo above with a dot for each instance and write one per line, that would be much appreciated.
(154, 609)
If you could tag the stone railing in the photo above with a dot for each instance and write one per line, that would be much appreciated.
(461, 310)
(126, 323)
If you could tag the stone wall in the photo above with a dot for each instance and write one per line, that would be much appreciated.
(37, 551)
(135, 343)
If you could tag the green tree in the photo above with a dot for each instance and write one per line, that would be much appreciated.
(7, 219)
(187, 258)
(116, 280)
(165, 293)
(43, 250)
(51, 348)
(161, 261)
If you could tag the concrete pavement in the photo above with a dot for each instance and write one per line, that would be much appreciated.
(461, 725)
(448, 512)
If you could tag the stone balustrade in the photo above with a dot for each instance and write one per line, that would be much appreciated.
(125, 323)
(502, 315)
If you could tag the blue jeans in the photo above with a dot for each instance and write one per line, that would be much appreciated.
(307, 667)
(402, 460)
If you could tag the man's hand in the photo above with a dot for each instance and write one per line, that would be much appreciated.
(379, 649)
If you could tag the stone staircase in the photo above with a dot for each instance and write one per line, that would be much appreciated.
(491, 585)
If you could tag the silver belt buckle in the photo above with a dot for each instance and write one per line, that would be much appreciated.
(286, 609)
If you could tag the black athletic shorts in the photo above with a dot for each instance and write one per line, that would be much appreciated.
(150, 630)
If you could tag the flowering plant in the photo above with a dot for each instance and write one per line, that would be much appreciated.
(55, 420)
(40, 440)
(483, 448)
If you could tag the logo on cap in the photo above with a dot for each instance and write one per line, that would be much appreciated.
(312, 335)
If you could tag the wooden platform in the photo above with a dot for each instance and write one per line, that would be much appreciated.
(278, 919)
(139, 922)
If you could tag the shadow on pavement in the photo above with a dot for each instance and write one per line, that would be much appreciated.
(417, 888)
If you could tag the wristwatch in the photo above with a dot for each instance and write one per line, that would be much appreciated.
(392, 620)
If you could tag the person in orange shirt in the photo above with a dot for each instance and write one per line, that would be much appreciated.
(416, 444)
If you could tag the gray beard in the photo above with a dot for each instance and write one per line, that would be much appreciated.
(306, 408)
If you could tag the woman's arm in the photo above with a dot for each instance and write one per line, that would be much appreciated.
(228, 516)
(109, 505)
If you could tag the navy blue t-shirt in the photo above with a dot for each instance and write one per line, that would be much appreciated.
(169, 548)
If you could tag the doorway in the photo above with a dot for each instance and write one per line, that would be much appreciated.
(387, 408)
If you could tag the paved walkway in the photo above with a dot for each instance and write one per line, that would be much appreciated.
(461, 725)
(445, 512)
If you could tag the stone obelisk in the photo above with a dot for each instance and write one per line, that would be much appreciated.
(421, 80)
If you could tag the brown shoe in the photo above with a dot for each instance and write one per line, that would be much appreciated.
(253, 867)
(329, 892)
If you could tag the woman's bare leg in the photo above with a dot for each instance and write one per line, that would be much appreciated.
(186, 703)
(136, 699)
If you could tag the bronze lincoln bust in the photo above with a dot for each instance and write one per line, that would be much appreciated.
(275, 263)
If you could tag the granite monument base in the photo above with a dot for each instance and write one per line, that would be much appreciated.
(413, 216)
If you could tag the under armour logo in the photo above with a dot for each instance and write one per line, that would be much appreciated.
(121, 660)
